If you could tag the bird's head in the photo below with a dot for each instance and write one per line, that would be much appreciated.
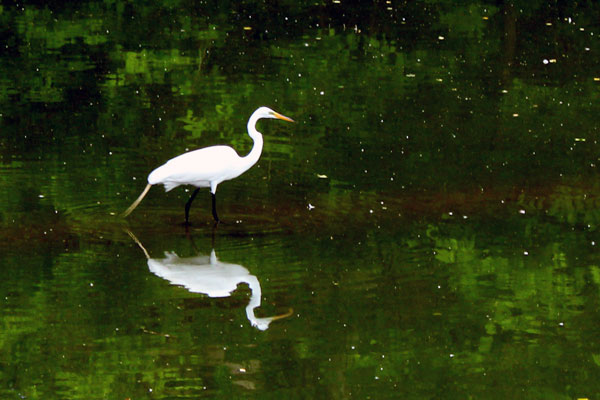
(266, 112)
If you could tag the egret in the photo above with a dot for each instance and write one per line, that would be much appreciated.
(209, 166)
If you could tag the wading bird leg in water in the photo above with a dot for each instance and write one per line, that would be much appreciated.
(188, 205)
(214, 209)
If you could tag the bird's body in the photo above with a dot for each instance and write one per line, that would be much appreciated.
(208, 167)
(219, 164)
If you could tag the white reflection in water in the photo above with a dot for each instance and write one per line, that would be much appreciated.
(208, 275)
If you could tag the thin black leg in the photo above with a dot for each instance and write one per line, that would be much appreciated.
(214, 208)
(189, 204)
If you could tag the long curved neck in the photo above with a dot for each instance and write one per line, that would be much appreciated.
(254, 154)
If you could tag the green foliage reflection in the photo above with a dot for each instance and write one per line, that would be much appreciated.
(433, 216)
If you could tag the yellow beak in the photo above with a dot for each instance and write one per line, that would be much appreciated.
(283, 117)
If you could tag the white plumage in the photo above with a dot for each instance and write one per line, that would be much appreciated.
(208, 167)
(218, 165)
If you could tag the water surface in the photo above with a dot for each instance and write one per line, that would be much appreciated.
(427, 229)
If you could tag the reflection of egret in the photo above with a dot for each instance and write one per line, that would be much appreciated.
(209, 166)
(208, 275)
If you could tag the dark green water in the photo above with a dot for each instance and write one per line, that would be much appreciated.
(429, 228)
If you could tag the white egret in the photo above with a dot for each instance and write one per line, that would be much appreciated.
(209, 166)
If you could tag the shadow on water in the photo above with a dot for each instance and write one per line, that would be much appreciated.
(321, 215)
(207, 275)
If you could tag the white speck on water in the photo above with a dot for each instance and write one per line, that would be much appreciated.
(310, 206)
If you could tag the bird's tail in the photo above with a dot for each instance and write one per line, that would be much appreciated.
(136, 202)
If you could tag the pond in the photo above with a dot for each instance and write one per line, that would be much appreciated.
(427, 228)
